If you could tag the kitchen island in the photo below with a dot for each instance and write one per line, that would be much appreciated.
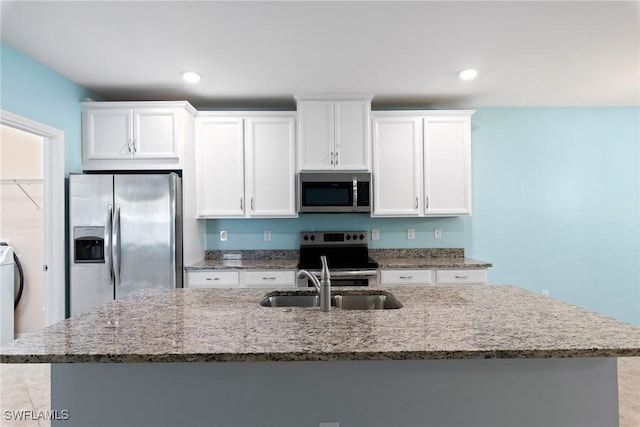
(452, 355)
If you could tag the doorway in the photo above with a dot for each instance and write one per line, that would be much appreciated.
(22, 221)
(41, 197)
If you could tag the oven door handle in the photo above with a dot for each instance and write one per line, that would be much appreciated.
(358, 273)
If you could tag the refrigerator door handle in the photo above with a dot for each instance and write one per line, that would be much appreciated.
(115, 247)
(108, 245)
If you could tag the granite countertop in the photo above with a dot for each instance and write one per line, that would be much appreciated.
(436, 322)
(245, 264)
(419, 262)
(386, 258)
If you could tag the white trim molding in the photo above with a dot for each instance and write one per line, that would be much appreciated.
(54, 256)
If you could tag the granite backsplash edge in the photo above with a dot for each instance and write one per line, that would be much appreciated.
(373, 253)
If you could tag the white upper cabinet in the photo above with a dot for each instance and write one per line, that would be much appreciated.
(219, 166)
(334, 133)
(134, 135)
(271, 166)
(245, 165)
(447, 165)
(422, 163)
(397, 166)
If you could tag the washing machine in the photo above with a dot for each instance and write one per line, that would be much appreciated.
(7, 289)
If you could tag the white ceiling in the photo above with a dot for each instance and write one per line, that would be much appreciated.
(528, 53)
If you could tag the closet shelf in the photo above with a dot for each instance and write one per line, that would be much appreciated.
(19, 182)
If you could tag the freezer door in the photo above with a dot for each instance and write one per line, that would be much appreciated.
(90, 207)
(145, 241)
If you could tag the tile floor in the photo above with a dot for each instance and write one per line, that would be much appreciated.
(27, 387)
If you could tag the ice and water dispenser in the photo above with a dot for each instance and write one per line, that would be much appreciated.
(88, 245)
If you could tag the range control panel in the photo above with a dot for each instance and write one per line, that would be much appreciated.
(330, 238)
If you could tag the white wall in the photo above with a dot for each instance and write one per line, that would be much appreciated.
(21, 221)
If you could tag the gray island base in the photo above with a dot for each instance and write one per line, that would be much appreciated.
(492, 392)
(451, 356)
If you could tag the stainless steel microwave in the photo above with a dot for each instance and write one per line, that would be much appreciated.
(334, 192)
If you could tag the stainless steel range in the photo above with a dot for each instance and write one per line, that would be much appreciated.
(347, 254)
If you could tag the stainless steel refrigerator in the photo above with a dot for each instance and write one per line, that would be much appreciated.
(125, 235)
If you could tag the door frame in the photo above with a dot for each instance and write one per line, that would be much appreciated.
(54, 219)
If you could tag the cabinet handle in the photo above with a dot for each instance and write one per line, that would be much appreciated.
(130, 145)
(133, 146)
(331, 154)
(406, 277)
(337, 152)
(253, 205)
(241, 204)
(213, 278)
(416, 203)
(461, 277)
(426, 202)
(268, 278)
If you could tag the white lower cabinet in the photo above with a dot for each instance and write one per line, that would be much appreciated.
(256, 279)
(212, 279)
(406, 277)
(468, 276)
(461, 277)
(241, 279)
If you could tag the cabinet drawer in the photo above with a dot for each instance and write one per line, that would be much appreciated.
(212, 279)
(474, 276)
(268, 278)
(405, 277)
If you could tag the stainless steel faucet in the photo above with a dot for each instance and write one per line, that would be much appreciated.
(323, 286)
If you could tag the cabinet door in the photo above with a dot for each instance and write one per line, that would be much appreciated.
(268, 278)
(212, 279)
(108, 134)
(352, 135)
(220, 167)
(271, 167)
(462, 276)
(405, 277)
(447, 165)
(155, 133)
(316, 135)
(397, 166)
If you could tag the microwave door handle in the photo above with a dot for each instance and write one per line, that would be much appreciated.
(355, 193)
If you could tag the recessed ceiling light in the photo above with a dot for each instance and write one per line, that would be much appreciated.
(191, 76)
(468, 74)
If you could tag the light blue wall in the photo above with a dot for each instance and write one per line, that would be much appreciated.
(248, 234)
(556, 196)
(32, 90)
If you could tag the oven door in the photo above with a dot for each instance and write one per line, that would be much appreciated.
(344, 278)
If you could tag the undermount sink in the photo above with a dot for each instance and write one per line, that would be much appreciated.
(346, 300)
(290, 301)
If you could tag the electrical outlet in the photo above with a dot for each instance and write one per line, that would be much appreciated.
(267, 235)
(223, 236)
(375, 234)
(437, 233)
(411, 234)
